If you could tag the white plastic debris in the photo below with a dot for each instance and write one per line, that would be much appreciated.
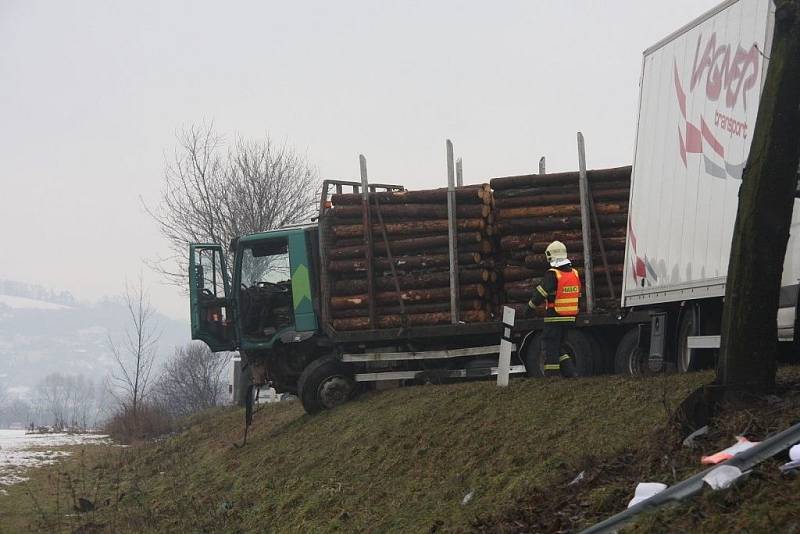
(723, 476)
(578, 478)
(742, 444)
(794, 456)
(689, 441)
(467, 498)
(645, 490)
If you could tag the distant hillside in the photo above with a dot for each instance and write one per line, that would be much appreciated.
(44, 331)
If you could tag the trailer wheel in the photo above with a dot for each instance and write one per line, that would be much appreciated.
(629, 358)
(579, 345)
(324, 384)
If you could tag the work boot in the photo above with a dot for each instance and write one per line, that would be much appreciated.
(567, 369)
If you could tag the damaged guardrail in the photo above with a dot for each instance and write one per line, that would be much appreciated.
(693, 485)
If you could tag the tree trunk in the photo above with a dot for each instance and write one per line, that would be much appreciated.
(403, 212)
(766, 199)
(469, 194)
(403, 263)
(410, 281)
(561, 178)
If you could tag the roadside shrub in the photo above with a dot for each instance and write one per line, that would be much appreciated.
(149, 421)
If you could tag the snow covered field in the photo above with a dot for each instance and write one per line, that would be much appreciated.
(16, 454)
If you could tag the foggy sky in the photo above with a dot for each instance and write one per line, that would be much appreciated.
(92, 93)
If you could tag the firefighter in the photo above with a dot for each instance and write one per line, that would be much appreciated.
(560, 290)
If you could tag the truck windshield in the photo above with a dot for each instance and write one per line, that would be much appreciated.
(266, 289)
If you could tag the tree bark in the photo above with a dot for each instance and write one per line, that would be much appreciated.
(410, 281)
(468, 194)
(429, 307)
(413, 295)
(419, 319)
(766, 199)
(543, 224)
(395, 212)
(547, 198)
(559, 210)
(560, 179)
(403, 263)
(408, 228)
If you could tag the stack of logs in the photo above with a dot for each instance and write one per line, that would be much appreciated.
(409, 233)
(532, 211)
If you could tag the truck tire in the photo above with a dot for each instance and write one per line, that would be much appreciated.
(629, 358)
(324, 384)
(579, 345)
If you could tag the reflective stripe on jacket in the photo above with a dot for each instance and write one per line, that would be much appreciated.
(568, 293)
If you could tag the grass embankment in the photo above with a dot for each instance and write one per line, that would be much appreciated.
(399, 460)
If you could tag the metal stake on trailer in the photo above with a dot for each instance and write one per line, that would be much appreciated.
(583, 186)
(459, 173)
(452, 234)
(362, 161)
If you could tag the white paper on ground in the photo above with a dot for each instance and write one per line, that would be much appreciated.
(794, 453)
(723, 476)
(645, 490)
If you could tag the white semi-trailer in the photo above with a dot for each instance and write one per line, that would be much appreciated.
(700, 90)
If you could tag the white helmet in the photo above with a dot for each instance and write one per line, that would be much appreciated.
(556, 254)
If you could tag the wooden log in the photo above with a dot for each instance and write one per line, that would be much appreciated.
(539, 261)
(411, 281)
(431, 307)
(417, 319)
(468, 194)
(395, 212)
(560, 210)
(513, 273)
(610, 243)
(524, 294)
(545, 190)
(548, 236)
(403, 263)
(518, 226)
(561, 178)
(414, 244)
(550, 199)
(613, 239)
(408, 228)
(536, 263)
(468, 291)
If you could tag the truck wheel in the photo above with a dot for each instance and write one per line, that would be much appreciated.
(324, 384)
(579, 345)
(629, 358)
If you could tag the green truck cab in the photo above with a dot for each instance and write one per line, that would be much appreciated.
(266, 308)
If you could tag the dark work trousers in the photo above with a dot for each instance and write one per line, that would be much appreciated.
(552, 336)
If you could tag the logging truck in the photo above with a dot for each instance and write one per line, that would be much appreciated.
(390, 286)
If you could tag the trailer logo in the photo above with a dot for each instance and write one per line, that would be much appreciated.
(735, 75)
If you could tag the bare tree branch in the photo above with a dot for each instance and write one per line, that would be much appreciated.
(213, 195)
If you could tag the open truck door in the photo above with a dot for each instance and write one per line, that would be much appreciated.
(209, 295)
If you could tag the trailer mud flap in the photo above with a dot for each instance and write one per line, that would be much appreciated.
(658, 336)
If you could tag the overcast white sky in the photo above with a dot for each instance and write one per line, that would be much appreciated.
(92, 92)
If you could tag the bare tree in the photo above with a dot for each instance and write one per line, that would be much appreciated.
(192, 380)
(54, 398)
(135, 353)
(213, 193)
